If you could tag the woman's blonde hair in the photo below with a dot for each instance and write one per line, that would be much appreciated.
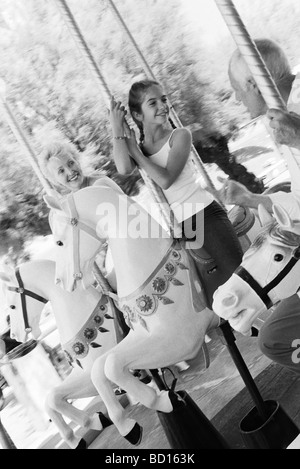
(56, 149)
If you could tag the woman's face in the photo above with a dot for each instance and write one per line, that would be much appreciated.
(65, 171)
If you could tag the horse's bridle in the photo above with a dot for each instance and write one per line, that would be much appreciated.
(77, 225)
(262, 292)
(24, 292)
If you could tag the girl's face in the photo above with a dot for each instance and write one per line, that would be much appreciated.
(154, 108)
(66, 172)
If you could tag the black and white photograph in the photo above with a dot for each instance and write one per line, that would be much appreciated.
(149, 227)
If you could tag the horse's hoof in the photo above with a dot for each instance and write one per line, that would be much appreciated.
(135, 435)
(82, 444)
(182, 366)
(176, 399)
(254, 332)
(146, 380)
(105, 421)
(119, 392)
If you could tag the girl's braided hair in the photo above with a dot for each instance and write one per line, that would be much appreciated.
(135, 100)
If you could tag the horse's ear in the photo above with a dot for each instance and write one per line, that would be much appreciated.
(52, 201)
(285, 221)
(4, 277)
(264, 216)
(6, 273)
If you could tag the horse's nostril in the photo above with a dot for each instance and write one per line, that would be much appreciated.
(59, 243)
(229, 301)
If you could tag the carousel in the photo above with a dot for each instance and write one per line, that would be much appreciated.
(123, 338)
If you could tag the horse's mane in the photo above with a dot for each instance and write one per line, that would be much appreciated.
(276, 233)
(288, 238)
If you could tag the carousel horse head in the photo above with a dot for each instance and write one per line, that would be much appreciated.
(84, 318)
(84, 221)
(269, 272)
(77, 244)
(14, 295)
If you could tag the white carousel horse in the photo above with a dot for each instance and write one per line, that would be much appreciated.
(158, 291)
(269, 272)
(86, 328)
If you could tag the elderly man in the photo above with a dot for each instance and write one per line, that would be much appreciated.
(244, 84)
(280, 335)
(248, 93)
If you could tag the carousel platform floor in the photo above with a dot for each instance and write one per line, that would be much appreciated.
(220, 393)
(274, 383)
(218, 390)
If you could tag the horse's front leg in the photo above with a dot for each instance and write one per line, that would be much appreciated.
(76, 386)
(126, 426)
(118, 372)
(65, 431)
(133, 352)
(130, 354)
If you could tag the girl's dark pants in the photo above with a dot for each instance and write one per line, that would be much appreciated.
(221, 253)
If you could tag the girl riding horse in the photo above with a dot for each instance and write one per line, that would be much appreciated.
(158, 291)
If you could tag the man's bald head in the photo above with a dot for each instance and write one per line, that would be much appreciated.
(243, 82)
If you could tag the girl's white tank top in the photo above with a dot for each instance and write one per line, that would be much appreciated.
(185, 196)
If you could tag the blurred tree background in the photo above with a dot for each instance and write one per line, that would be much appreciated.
(50, 89)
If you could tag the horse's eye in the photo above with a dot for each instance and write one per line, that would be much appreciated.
(278, 257)
(12, 307)
(59, 243)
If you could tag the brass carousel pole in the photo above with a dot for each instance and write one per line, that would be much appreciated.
(149, 72)
(190, 429)
(5, 440)
(104, 88)
(20, 136)
(252, 57)
(266, 426)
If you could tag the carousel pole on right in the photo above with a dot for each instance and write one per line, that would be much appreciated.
(276, 430)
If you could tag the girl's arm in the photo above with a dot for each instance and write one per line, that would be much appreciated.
(180, 150)
(121, 156)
